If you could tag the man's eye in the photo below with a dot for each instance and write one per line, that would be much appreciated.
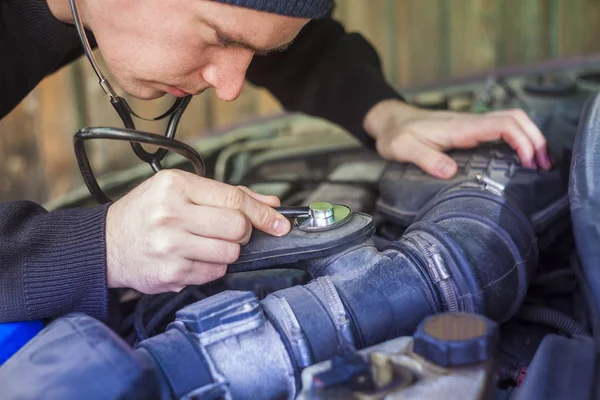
(221, 41)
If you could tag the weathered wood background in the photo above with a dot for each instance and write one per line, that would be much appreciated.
(418, 40)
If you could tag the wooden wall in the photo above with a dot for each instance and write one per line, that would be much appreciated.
(418, 40)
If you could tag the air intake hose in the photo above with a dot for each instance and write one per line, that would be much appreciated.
(584, 195)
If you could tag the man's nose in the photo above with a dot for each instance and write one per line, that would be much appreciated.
(227, 73)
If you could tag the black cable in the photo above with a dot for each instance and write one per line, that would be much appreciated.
(167, 309)
(139, 313)
(197, 293)
(160, 306)
(127, 324)
(552, 318)
(175, 113)
(593, 314)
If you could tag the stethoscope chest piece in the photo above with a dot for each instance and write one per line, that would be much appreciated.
(323, 216)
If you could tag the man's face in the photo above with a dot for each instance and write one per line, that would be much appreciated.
(153, 47)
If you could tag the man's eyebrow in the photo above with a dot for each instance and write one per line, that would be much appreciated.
(231, 41)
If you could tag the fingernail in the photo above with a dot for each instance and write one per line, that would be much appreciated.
(446, 169)
(529, 164)
(546, 161)
(282, 226)
(541, 157)
(549, 160)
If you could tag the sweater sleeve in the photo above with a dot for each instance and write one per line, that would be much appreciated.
(327, 73)
(51, 263)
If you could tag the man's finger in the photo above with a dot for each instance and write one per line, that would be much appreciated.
(217, 194)
(535, 135)
(217, 223)
(272, 201)
(201, 273)
(430, 160)
(492, 127)
(516, 138)
(208, 250)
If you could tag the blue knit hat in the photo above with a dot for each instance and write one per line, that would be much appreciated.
(292, 8)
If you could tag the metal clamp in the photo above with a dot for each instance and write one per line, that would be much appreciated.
(491, 185)
(338, 313)
(442, 278)
(281, 309)
(440, 275)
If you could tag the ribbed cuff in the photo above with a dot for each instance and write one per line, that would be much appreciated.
(65, 269)
(293, 8)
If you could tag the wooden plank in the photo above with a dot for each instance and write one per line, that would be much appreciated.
(246, 106)
(21, 167)
(223, 112)
(591, 36)
(525, 31)
(267, 104)
(578, 27)
(403, 64)
(341, 10)
(419, 57)
(369, 19)
(473, 34)
(194, 121)
(553, 35)
(55, 125)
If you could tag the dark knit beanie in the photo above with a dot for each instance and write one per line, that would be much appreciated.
(292, 8)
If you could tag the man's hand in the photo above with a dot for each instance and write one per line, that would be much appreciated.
(408, 134)
(178, 229)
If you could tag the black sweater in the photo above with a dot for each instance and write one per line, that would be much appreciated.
(55, 263)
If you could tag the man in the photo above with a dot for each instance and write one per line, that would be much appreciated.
(176, 228)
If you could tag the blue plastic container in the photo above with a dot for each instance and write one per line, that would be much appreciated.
(14, 335)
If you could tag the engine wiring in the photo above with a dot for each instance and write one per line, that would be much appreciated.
(152, 311)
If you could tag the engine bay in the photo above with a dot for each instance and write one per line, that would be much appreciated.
(394, 285)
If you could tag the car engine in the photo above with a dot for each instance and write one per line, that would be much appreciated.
(392, 284)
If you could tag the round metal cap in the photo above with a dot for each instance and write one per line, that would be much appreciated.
(456, 339)
(321, 210)
(324, 216)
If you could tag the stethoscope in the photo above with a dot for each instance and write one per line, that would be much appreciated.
(136, 138)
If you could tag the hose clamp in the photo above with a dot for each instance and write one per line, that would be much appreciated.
(282, 311)
(491, 185)
(337, 311)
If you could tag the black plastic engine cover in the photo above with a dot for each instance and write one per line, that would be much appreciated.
(541, 195)
(264, 251)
